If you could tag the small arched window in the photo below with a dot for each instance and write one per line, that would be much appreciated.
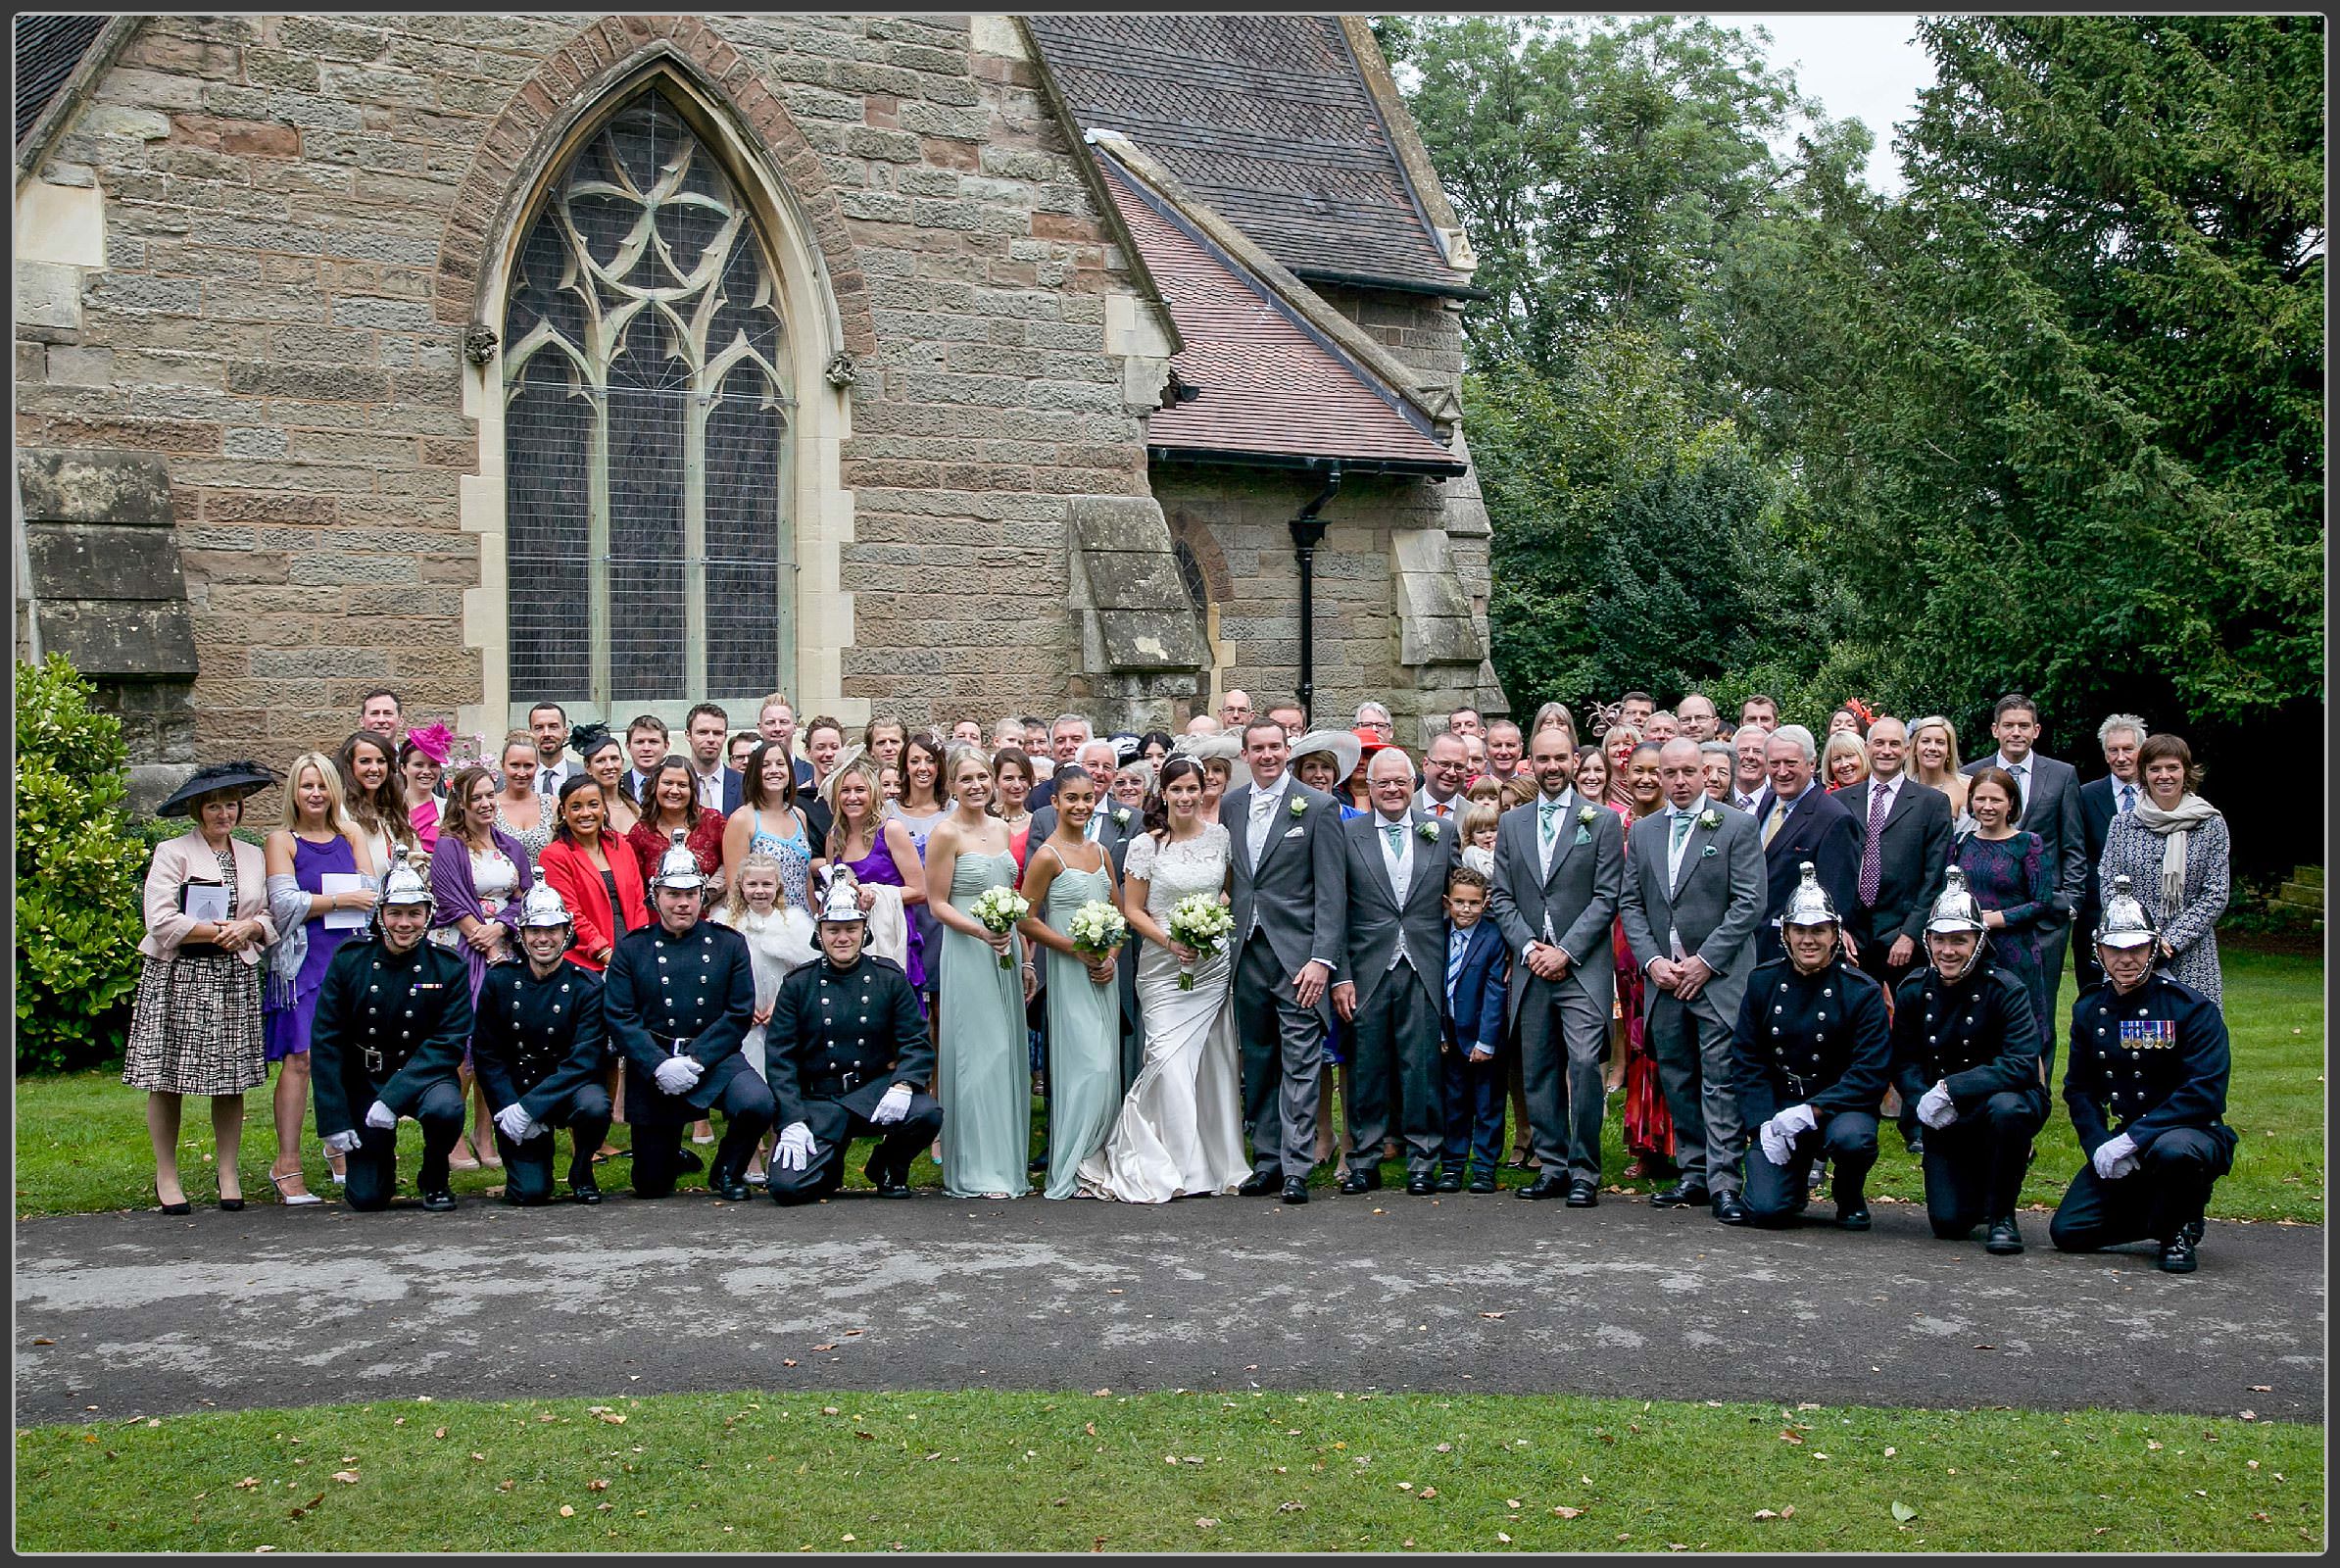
(647, 431)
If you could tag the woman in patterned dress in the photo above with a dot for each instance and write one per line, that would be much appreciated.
(520, 811)
(2171, 846)
(195, 1024)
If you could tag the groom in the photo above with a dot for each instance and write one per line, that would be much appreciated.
(1290, 913)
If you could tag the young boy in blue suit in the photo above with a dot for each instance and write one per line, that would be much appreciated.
(1478, 969)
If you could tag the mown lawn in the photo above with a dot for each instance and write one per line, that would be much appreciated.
(81, 1138)
(1165, 1472)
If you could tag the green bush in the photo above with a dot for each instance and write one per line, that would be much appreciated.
(81, 869)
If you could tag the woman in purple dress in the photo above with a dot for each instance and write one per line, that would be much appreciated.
(478, 875)
(2008, 874)
(318, 840)
(876, 848)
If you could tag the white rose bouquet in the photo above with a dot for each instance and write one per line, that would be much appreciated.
(1201, 922)
(1098, 928)
(999, 909)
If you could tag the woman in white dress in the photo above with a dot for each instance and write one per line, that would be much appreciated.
(1180, 1132)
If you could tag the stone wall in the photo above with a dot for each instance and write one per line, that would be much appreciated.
(270, 320)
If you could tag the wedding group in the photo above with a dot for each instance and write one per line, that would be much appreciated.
(1227, 957)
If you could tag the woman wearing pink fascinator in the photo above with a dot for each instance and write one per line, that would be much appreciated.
(421, 761)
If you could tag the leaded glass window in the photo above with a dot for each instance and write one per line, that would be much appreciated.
(647, 431)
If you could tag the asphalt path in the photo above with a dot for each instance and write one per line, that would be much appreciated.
(126, 1314)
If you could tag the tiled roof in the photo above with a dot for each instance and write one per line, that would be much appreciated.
(1271, 386)
(1266, 118)
(47, 48)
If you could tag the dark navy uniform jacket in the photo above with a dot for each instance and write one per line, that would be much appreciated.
(1980, 1037)
(537, 1041)
(388, 1026)
(2146, 1062)
(689, 994)
(1819, 1040)
(834, 1030)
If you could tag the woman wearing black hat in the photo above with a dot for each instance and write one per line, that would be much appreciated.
(195, 1026)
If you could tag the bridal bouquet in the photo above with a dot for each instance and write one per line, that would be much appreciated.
(1201, 922)
(1098, 928)
(999, 909)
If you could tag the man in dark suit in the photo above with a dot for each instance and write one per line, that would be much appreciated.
(1559, 869)
(2052, 809)
(1396, 858)
(1905, 846)
(1291, 934)
(1801, 821)
(2101, 801)
(1694, 889)
(708, 729)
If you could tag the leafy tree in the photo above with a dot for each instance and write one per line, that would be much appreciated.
(80, 869)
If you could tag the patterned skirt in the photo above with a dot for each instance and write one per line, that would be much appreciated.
(195, 1028)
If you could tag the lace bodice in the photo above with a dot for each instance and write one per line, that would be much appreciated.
(1173, 871)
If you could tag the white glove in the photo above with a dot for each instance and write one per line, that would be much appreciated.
(380, 1115)
(892, 1108)
(1777, 1145)
(678, 1075)
(2115, 1158)
(342, 1143)
(1797, 1120)
(1934, 1108)
(795, 1147)
(514, 1122)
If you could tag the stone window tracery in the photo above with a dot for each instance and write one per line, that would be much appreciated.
(648, 430)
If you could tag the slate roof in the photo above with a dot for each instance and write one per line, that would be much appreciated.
(1272, 387)
(1268, 121)
(47, 48)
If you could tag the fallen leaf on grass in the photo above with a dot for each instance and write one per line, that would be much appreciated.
(1443, 1447)
(568, 1512)
(1206, 1524)
(1506, 1540)
(1787, 1512)
(598, 1483)
(346, 1477)
(1889, 1453)
(1903, 1511)
(1513, 1502)
(1429, 1493)
(1302, 1507)
(2250, 1415)
(2153, 1446)
(295, 1513)
(1101, 1393)
(1767, 1513)
(614, 1418)
(1790, 1437)
(247, 1484)
(1566, 1512)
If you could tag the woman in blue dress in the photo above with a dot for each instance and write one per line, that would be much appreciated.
(981, 1076)
(2008, 874)
(1064, 872)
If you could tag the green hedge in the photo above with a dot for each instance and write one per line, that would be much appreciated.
(80, 865)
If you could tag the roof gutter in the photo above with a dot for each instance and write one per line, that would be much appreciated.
(1395, 285)
(1306, 462)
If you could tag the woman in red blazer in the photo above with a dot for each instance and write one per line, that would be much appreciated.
(670, 800)
(598, 876)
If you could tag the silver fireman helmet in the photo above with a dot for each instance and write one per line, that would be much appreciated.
(1808, 905)
(542, 906)
(2125, 921)
(841, 900)
(678, 868)
(1956, 910)
(404, 884)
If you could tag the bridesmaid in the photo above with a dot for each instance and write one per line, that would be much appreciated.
(1067, 871)
(981, 1076)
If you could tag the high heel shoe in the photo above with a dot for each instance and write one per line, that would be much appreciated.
(182, 1206)
(231, 1206)
(299, 1199)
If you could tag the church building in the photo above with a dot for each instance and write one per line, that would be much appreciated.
(913, 367)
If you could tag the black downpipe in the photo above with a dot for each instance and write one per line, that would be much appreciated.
(1307, 532)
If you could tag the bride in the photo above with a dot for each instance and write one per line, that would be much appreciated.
(1180, 1132)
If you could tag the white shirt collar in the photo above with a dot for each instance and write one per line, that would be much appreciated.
(2000, 760)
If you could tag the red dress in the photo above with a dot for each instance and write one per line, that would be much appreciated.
(706, 844)
(1648, 1125)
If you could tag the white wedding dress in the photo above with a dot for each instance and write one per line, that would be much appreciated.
(1180, 1130)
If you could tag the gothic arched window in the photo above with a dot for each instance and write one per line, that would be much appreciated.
(647, 431)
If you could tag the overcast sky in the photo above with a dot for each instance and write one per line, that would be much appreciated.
(1864, 67)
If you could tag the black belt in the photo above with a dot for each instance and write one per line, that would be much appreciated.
(832, 1086)
(377, 1063)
